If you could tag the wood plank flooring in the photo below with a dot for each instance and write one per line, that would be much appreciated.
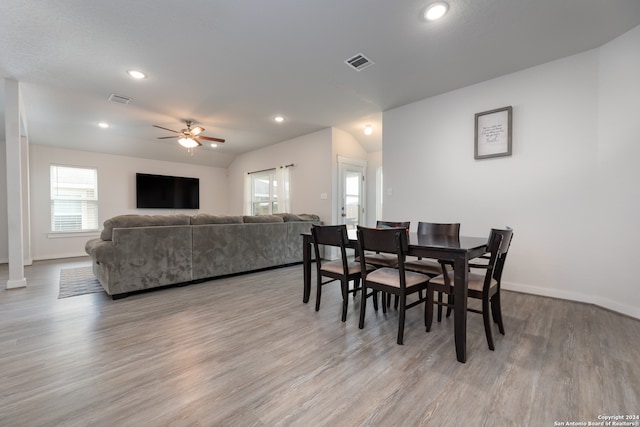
(245, 351)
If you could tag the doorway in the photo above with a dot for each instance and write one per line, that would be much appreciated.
(352, 190)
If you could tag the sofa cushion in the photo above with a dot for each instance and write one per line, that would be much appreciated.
(288, 217)
(309, 217)
(261, 218)
(202, 219)
(133, 220)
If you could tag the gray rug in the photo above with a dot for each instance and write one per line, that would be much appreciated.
(78, 281)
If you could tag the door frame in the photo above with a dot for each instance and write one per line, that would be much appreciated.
(361, 164)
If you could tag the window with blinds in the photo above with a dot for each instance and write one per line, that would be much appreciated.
(74, 199)
(264, 192)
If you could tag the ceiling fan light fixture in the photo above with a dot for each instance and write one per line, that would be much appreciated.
(278, 119)
(368, 130)
(188, 142)
(103, 125)
(213, 145)
(436, 10)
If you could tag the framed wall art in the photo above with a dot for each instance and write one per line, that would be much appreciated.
(493, 133)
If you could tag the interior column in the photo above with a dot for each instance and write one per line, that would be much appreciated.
(14, 185)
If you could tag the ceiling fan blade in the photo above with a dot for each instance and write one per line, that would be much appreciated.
(208, 138)
(160, 127)
(169, 137)
(196, 130)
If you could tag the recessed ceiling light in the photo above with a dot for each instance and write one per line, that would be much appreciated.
(103, 125)
(278, 119)
(137, 74)
(368, 130)
(436, 10)
(214, 145)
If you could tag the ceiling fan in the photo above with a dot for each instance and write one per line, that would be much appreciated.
(189, 137)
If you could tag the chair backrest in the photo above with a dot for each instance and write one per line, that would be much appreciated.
(437, 229)
(330, 235)
(495, 242)
(393, 224)
(387, 240)
(507, 236)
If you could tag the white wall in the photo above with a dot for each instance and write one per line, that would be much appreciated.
(4, 236)
(116, 192)
(374, 161)
(617, 201)
(548, 190)
(310, 177)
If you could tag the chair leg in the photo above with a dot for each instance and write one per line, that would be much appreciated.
(426, 308)
(395, 303)
(385, 301)
(356, 286)
(496, 311)
(344, 285)
(487, 322)
(439, 306)
(429, 310)
(318, 294)
(363, 305)
(375, 299)
(403, 305)
(450, 307)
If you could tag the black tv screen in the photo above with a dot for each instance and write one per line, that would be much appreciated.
(160, 191)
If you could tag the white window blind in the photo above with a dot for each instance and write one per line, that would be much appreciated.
(74, 199)
(264, 193)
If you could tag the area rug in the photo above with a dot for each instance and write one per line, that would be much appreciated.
(78, 281)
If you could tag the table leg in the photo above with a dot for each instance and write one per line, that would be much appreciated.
(306, 266)
(460, 292)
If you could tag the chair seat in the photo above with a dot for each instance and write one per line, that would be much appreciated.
(382, 260)
(336, 267)
(424, 266)
(476, 281)
(390, 277)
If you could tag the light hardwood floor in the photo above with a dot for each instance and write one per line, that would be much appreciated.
(245, 351)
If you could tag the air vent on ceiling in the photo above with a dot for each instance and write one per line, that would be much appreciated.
(119, 98)
(359, 62)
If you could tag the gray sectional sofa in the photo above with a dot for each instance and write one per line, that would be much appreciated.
(137, 252)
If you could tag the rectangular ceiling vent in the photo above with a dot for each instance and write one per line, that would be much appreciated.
(359, 62)
(119, 98)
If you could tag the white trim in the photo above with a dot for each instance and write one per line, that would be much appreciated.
(57, 235)
(20, 283)
(574, 296)
(351, 161)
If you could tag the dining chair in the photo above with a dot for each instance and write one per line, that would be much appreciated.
(480, 263)
(485, 287)
(432, 267)
(378, 259)
(341, 269)
(392, 281)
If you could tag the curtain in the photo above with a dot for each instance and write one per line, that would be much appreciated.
(246, 209)
(283, 178)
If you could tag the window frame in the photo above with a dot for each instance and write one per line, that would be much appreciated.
(271, 199)
(86, 200)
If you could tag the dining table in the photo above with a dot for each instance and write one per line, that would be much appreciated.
(455, 250)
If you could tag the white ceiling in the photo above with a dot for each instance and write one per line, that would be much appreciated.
(233, 65)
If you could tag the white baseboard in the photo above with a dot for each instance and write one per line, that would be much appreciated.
(574, 296)
(20, 283)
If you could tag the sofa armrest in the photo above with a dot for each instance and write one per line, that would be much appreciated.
(100, 251)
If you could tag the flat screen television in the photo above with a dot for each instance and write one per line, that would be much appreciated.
(161, 191)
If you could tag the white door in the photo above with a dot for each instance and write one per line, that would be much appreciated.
(352, 190)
